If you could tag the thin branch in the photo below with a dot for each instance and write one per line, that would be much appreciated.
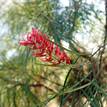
(41, 85)
(96, 51)
(105, 38)
(53, 82)
(17, 83)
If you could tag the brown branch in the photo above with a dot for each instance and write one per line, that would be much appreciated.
(41, 85)
(105, 38)
(53, 82)
(17, 83)
(96, 51)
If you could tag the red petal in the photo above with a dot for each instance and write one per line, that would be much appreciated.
(68, 61)
(57, 51)
(38, 54)
(26, 43)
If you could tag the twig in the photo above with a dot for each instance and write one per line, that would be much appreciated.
(53, 82)
(17, 83)
(96, 51)
(41, 85)
(105, 38)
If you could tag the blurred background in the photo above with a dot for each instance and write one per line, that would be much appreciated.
(79, 28)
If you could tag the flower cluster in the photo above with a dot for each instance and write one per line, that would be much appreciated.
(43, 48)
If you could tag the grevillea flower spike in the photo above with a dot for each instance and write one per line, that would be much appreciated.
(45, 49)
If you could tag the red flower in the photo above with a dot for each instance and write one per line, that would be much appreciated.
(45, 49)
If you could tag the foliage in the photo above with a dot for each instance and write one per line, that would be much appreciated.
(28, 82)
